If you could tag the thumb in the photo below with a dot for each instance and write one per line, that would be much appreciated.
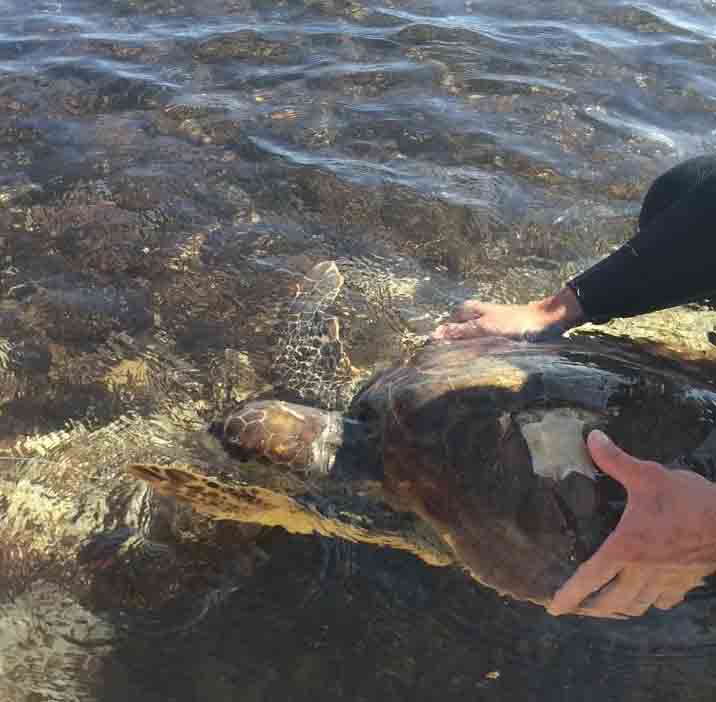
(631, 472)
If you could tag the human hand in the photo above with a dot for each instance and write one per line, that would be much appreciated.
(534, 320)
(663, 546)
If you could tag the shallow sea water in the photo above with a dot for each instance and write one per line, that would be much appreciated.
(169, 171)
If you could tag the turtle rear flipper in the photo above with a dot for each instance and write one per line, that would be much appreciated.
(124, 545)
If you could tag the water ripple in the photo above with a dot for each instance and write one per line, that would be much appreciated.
(169, 172)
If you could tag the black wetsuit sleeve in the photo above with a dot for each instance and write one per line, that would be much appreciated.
(672, 259)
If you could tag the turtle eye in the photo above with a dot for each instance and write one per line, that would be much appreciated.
(216, 428)
(239, 452)
(229, 430)
(235, 444)
(230, 439)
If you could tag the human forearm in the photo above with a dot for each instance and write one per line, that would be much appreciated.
(671, 261)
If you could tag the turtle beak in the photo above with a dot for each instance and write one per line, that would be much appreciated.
(229, 437)
(214, 440)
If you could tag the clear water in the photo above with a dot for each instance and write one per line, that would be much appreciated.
(168, 172)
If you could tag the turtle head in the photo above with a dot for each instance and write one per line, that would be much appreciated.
(302, 439)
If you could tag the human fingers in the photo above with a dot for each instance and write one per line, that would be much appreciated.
(676, 588)
(591, 576)
(586, 611)
(639, 599)
(631, 472)
(622, 595)
(663, 590)
(670, 599)
(655, 586)
(464, 330)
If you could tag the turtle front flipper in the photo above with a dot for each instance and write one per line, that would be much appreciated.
(310, 361)
(222, 498)
(311, 365)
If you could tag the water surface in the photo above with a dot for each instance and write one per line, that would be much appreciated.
(169, 171)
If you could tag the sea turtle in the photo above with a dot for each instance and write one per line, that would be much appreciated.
(469, 452)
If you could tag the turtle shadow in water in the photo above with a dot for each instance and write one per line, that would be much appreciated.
(470, 454)
(359, 641)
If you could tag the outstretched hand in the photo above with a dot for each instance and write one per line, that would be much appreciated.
(550, 316)
(474, 319)
(663, 546)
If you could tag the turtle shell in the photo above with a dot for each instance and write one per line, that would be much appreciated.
(484, 440)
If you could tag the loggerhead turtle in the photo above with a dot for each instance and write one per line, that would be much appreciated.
(469, 452)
